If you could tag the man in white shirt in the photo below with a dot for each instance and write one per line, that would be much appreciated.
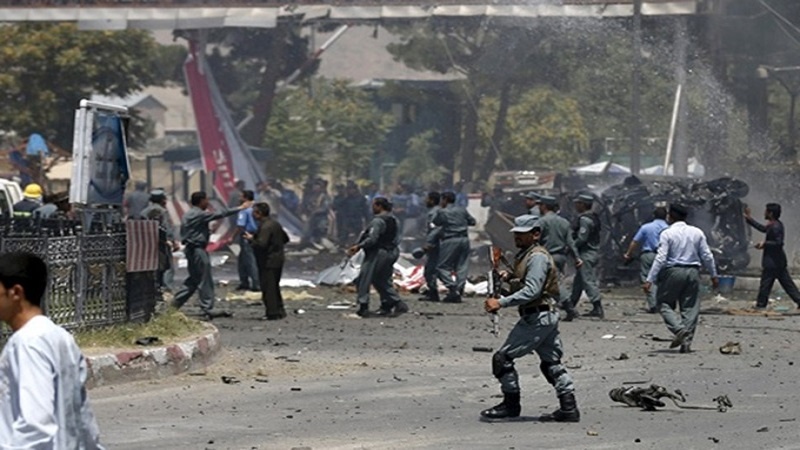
(43, 401)
(682, 249)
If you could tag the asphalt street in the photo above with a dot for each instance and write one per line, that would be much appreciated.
(323, 380)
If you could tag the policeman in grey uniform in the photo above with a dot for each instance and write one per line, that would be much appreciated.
(532, 203)
(587, 241)
(157, 211)
(453, 246)
(379, 242)
(534, 287)
(195, 235)
(431, 248)
(557, 239)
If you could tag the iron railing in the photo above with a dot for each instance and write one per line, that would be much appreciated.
(87, 286)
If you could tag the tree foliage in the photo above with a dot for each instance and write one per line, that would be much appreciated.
(419, 167)
(545, 130)
(48, 68)
(338, 129)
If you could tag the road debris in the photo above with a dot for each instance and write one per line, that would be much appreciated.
(229, 380)
(148, 340)
(649, 398)
(482, 349)
(731, 348)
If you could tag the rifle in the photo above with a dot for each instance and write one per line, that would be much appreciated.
(495, 283)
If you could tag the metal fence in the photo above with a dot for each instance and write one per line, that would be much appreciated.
(87, 285)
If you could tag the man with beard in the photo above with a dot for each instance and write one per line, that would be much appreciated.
(534, 290)
(268, 245)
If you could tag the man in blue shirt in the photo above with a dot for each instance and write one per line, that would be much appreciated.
(246, 224)
(646, 240)
(682, 249)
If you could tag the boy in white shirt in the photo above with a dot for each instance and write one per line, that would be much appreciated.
(43, 401)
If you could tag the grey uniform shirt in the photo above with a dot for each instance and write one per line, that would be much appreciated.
(557, 234)
(454, 221)
(159, 213)
(194, 226)
(535, 277)
(377, 226)
(583, 241)
(432, 232)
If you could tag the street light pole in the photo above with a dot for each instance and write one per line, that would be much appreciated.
(635, 87)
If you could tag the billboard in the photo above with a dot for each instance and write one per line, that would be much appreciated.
(100, 167)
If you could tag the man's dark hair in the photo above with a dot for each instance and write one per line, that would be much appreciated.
(27, 270)
(660, 213)
(248, 195)
(383, 203)
(435, 197)
(449, 197)
(775, 209)
(198, 197)
(678, 212)
(262, 208)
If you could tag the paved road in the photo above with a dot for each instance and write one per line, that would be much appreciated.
(322, 380)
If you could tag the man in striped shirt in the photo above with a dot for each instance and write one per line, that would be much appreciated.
(682, 249)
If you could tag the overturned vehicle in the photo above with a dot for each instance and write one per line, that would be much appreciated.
(715, 207)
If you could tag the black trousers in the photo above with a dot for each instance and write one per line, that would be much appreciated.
(768, 277)
(270, 279)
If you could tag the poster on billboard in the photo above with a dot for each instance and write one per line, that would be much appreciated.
(100, 166)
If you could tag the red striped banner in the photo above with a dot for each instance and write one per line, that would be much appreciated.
(142, 245)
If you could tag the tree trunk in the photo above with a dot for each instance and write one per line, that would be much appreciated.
(254, 132)
(493, 153)
(470, 141)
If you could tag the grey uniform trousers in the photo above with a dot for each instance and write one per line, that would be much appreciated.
(560, 260)
(377, 270)
(645, 263)
(199, 279)
(246, 263)
(453, 257)
(537, 332)
(678, 287)
(586, 280)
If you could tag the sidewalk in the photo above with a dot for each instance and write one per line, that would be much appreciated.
(107, 367)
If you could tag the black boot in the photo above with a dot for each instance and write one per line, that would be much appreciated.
(572, 313)
(508, 409)
(597, 311)
(363, 310)
(568, 411)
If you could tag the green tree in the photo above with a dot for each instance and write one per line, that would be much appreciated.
(338, 130)
(419, 167)
(545, 130)
(48, 68)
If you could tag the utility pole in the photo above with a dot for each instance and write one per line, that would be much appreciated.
(636, 87)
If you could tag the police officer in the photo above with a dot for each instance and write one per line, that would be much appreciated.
(646, 239)
(157, 210)
(453, 246)
(195, 235)
(557, 239)
(773, 260)
(137, 200)
(532, 203)
(682, 249)
(379, 242)
(534, 286)
(587, 241)
(432, 235)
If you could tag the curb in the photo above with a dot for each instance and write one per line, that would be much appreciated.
(153, 363)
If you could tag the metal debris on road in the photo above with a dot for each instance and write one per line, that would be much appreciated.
(731, 348)
(482, 349)
(229, 380)
(649, 398)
